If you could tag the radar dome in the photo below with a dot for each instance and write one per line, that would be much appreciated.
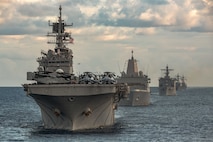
(59, 71)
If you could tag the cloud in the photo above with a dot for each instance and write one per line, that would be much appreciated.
(26, 17)
(156, 2)
(174, 32)
(6, 11)
(20, 47)
(145, 31)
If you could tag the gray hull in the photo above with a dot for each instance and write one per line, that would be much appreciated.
(138, 83)
(74, 111)
(168, 91)
(167, 85)
(67, 101)
(136, 98)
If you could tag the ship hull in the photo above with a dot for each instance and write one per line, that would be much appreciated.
(139, 91)
(75, 107)
(167, 91)
(181, 87)
(136, 98)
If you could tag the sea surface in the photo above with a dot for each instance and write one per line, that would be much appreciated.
(187, 117)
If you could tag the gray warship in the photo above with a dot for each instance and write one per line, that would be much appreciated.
(138, 83)
(66, 101)
(180, 83)
(167, 85)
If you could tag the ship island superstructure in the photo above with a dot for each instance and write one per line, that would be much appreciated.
(138, 83)
(167, 84)
(180, 83)
(67, 101)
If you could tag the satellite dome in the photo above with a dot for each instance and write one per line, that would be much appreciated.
(59, 71)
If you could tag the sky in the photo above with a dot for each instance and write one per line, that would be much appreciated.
(177, 33)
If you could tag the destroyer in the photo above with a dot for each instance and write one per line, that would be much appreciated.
(139, 85)
(66, 101)
(180, 83)
(167, 85)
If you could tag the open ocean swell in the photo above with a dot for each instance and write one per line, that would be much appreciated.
(182, 118)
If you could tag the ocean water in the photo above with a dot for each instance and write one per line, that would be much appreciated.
(187, 117)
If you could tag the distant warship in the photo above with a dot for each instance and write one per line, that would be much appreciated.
(138, 83)
(70, 102)
(180, 83)
(167, 85)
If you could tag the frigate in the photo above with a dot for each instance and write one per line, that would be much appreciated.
(180, 83)
(67, 101)
(167, 85)
(138, 83)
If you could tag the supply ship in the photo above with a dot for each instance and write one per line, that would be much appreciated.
(167, 85)
(67, 101)
(138, 83)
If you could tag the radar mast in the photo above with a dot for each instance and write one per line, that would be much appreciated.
(58, 31)
(167, 71)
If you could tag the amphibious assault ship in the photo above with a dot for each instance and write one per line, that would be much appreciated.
(70, 102)
(138, 83)
(180, 83)
(167, 85)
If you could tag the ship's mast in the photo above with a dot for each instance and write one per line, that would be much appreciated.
(132, 55)
(167, 71)
(58, 31)
(60, 42)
